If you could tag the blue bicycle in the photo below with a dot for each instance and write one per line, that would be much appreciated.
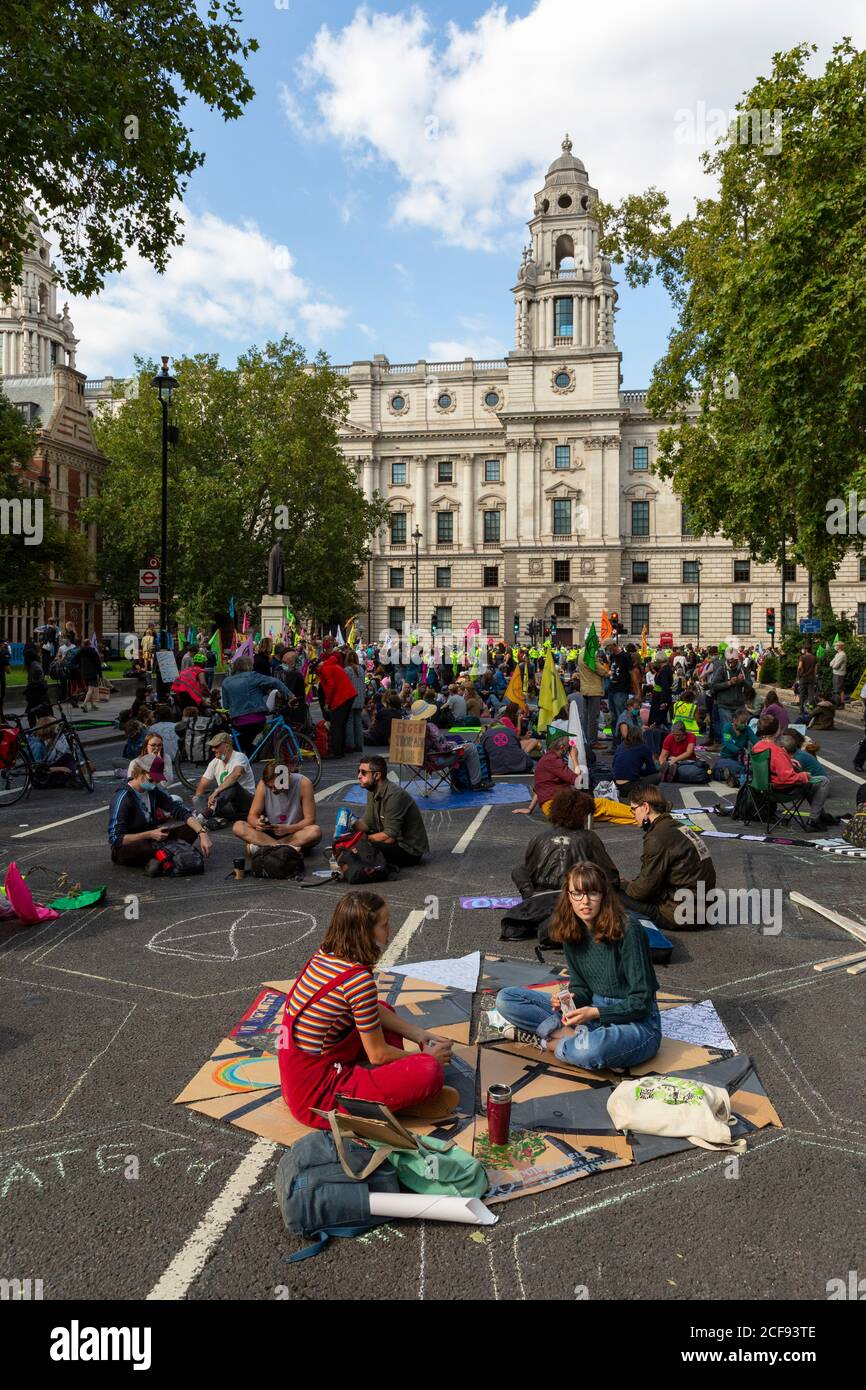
(278, 741)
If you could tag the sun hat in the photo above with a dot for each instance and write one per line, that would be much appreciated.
(422, 709)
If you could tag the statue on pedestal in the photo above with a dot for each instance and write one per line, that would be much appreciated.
(276, 569)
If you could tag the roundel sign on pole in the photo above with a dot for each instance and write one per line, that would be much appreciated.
(148, 586)
(153, 562)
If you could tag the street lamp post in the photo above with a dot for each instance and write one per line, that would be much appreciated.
(165, 385)
(417, 538)
(368, 556)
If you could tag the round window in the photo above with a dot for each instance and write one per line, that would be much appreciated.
(398, 402)
(444, 401)
(564, 200)
(492, 398)
(562, 379)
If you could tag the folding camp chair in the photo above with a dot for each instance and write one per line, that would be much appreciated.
(435, 772)
(772, 805)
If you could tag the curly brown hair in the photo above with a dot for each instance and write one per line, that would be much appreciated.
(608, 926)
(350, 931)
(571, 809)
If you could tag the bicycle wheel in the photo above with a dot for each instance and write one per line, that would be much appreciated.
(290, 746)
(15, 780)
(189, 772)
(82, 764)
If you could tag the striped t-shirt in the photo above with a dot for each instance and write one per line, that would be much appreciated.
(354, 1004)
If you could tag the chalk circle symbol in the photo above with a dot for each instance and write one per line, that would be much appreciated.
(230, 935)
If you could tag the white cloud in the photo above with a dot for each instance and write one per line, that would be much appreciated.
(454, 350)
(227, 284)
(469, 117)
(367, 331)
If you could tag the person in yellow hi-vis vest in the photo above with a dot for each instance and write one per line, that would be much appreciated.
(686, 713)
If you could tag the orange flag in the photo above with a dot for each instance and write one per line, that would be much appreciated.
(514, 690)
(606, 627)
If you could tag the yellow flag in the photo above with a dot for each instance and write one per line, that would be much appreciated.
(552, 696)
(513, 692)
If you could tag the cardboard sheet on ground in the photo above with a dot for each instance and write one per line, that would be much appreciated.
(503, 794)
(499, 972)
(432, 1006)
(461, 973)
(698, 1023)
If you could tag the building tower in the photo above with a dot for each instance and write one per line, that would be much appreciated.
(34, 338)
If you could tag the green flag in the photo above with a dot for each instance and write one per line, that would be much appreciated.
(216, 646)
(590, 648)
(836, 639)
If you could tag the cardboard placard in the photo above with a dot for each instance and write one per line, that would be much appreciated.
(166, 664)
(408, 742)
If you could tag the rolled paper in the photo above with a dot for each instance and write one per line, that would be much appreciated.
(417, 1206)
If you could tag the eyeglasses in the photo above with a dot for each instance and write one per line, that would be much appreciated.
(580, 893)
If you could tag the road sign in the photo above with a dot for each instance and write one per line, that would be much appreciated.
(153, 562)
(809, 625)
(148, 586)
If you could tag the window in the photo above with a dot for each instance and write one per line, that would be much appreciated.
(742, 571)
(563, 317)
(443, 619)
(562, 571)
(691, 572)
(689, 618)
(790, 571)
(640, 460)
(491, 576)
(639, 617)
(492, 398)
(443, 576)
(398, 528)
(861, 618)
(639, 573)
(563, 456)
(562, 380)
(687, 526)
(444, 401)
(445, 472)
(490, 621)
(562, 516)
(444, 528)
(640, 518)
(789, 617)
(491, 528)
(398, 474)
(863, 571)
(398, 402)
(396, 577)
(741, 618)
(396, 618)
(491, 471)
(562, 610)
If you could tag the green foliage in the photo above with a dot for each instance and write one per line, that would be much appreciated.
(253, 440)
(763, 386)
(25, 569)
(780, 668)
(93, 137)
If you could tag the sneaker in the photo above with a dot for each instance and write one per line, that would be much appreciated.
(215, 823)
(522, 1035)
(253, 850)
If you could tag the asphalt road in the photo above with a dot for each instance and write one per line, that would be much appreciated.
(104, 1020)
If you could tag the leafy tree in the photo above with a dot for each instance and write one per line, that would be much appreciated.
(258, 458)
(763, 385)
(92, 137)
(25, 513)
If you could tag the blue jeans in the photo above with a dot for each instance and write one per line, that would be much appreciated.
(617, 701)
(729, 765)
(595, 1045)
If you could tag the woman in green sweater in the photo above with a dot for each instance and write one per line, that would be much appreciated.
(615, 1021)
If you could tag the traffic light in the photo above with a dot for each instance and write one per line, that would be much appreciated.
(771, 621)
(553, 627)
(615, 623)
(433, 623)
(516, 626)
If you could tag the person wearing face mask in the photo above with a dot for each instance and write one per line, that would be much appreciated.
(672, 858)
(730, 688)
(133, 830)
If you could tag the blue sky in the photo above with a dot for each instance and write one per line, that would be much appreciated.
(373, 197)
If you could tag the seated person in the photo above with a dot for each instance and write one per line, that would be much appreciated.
(153, 745)
(391, 819)
(772, 706)
(227, 781)
(823, 715)
(802, 752)
(550, 854)
(438, 745)
(630, 717)
(616, 1021)
(737, 738)
(55, 765)
(785, 774)
(337, 1038)
(456, 704)
(672, 857)
(503, 749)
(379, 735)
(282, 812)
(511, 717)
(134, 832)
(678, 747)
(164, 725)
(134, 730)
(558, 768)
(632, 760)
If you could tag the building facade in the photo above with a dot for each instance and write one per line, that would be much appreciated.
(39, 376)
(525, 485)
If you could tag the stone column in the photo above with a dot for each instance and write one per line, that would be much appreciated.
(512, 469)
(468, 519)
(421, 514)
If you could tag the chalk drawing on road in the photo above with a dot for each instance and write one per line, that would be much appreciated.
(229, 935)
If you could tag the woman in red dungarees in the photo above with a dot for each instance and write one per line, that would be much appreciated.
(338, 1039)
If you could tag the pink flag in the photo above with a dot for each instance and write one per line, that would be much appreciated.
(245, 625)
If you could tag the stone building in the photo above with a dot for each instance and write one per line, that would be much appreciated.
(528, 481)
(38, 374)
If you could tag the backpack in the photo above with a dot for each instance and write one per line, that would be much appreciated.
(283, 861)
(9, 743)
(319, 1200)
(359, 861)
(180, 860)
(197, 735)
(460, 774)
(692, 773)
(855, 831)
(322, 738)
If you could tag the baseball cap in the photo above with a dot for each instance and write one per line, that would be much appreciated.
(422, 709)
(152, 764)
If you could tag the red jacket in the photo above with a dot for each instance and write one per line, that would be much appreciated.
(782, 770)
(337, 688)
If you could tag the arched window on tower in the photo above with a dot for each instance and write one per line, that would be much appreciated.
(564, 256)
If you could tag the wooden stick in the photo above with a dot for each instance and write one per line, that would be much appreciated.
(855, 929)
(839, 960)
(857, 969)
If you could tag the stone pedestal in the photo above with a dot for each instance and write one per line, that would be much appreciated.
(273, 615)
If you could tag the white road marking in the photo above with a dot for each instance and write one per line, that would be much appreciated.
(402, 939)
(852, 776)
(691, 799)
(189, 1262)
(474, 825)
(22, 835)
(337, 787)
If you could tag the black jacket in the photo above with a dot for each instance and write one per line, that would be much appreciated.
(127, 815)
(551, 855)
(673, 857)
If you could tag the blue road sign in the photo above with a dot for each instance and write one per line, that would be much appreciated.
(810, 625)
